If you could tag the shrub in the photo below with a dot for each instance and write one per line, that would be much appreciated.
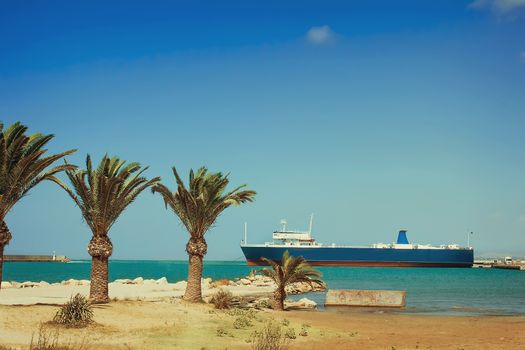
(242, 322)
(77, 312)
(270, 337)
(290, 333)
(222, 299)
(221, 332)
(285, 322)
(304, 331)
(263, 304)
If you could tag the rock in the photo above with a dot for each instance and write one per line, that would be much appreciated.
(181, 285)
(220, 283)
(124, 281)
(138, 280)
(6, 284)
(55, 284)
(303, 303)
(162, 280)
(151, 281)
(43, 284)
(15, 284)
(84, 282)
(206, 282)
(29, 284)
(304, 287)
(245, 281)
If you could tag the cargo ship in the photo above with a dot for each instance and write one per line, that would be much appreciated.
(400, 253)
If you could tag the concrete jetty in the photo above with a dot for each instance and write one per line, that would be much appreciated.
(375, 298)
(37, 258)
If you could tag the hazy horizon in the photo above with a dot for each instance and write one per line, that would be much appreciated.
(375, 116)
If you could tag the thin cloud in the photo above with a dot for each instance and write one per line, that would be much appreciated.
(320, 35)
(498, 6)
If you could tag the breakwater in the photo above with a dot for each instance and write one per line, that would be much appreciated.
(37, 258)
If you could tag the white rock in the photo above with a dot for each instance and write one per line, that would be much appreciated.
(302, 303)
(6, 284)
(138, 280)
(29, 284)
(69, 282)
(162, 280)
(124, 281)
(181, 285)
(43, 284)
(150, 282)
(84, 282)
(245, 281)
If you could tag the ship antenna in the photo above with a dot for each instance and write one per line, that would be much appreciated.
(311, 223)
(245, 233)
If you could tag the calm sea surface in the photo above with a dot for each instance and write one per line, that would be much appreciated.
(429, 290)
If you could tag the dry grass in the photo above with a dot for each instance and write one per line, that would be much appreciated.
(49, 340)
(222, 299)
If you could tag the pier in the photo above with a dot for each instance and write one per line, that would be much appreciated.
(37, 258)
(506, 263)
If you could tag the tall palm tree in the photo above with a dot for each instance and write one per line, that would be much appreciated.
(23, 165)
(198, 207)
(287, 271)
(102, 194)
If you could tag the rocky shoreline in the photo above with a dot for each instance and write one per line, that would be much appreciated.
(250, 291)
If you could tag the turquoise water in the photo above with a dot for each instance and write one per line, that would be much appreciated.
(429, 290)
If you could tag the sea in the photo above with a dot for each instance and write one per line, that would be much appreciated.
(432, 291)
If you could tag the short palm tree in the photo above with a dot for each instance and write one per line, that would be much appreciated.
(102, 194)
(287, 271)
(23, 165)
(198, 207)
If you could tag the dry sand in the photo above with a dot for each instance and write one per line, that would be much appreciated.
(172, 324)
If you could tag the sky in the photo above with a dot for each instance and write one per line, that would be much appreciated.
(373, 115)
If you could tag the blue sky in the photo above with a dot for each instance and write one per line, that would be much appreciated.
(374, 115)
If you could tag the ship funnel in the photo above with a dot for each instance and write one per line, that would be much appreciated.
(402, 237)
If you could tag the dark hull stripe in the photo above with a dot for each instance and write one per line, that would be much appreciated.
(371, 263)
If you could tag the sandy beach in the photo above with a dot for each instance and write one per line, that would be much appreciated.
(172, 324)
(151, 315)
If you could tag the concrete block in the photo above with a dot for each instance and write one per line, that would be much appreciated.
(375, 298)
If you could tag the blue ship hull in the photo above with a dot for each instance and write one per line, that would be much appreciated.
(350, 256)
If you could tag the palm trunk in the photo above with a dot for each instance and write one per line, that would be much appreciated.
(196, 249)
(98, 289)
(5, 237)
(100, 249)
(278, 299)
(1, 263)
(193, 290)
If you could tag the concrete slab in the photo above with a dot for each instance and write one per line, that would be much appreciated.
(373, 298)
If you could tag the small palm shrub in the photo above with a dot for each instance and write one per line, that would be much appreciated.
(77, 312)
(222, 299)
(271, 337)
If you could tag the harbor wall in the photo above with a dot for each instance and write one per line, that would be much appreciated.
(36, 258)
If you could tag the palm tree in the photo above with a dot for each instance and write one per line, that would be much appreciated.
(102, 195)
(287, 271)
(23, 165)
(198, 207)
